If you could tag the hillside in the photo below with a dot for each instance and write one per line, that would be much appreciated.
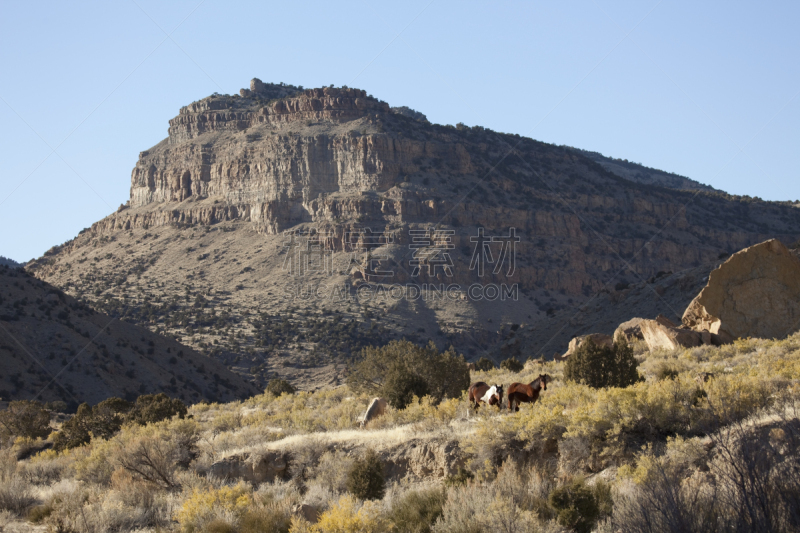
(53, 347)
(282, 229)
(5, 261)
(645, 175)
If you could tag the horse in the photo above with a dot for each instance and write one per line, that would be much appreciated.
(376, 408)
(519, 392)
(481, 392)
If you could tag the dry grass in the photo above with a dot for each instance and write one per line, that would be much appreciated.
(573, 431)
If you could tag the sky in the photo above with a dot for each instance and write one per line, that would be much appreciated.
(706, 90)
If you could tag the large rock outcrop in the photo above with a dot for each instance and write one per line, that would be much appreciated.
(630, 330)
(755, 293)
(211, 205)
(600, 339)
(658, 335)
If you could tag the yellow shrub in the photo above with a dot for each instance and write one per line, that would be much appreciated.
(205, 505)
(345, 516)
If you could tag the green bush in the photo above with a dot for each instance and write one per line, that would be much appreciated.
(401, 369)
(401, 385)
(106, 418)
(152, 408)
(484, 364)
(417, 511)
(365, 479)
(512, 364)
(76, 431)
(278, 386)
(576, 506)
(602, 366)
(25, 418)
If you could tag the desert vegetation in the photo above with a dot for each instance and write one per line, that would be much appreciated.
(705, 440)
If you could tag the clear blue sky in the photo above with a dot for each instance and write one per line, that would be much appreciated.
(708, 90)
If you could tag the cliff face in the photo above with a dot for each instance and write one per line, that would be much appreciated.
(337, 163)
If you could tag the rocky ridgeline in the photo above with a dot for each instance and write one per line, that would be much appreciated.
(336, 159)
(232, 113)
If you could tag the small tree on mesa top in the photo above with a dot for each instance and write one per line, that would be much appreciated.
(603, 366)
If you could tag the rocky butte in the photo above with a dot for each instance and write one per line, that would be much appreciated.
(260, 230)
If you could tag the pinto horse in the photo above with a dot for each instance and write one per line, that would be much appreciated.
(481, 392)
(519, 392)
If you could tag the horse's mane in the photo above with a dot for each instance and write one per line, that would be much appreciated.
(537, 381)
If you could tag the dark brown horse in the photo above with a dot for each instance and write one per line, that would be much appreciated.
(481, 392)
(519, 392)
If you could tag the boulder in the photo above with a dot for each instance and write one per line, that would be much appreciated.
(260, 468)
(601, 339)
(664, 321)
(755, 293)
(256, 85)
(630, 330)
(660, 336)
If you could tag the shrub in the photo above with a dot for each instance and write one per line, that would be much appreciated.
(218, 525)
(462, 477)
(153, 454)
(576, 506)
(484, 364)
(264, 520)
(15, 493)
(331, 471)
(106, 418)
(401, 370)
(512, 364)
(38, 513)
(75, 431)
(417, 511)
(101, 421)
(602, 366)
(206, 507)
(401, 386)
(25, 418)
(666, 372)
(365, 479)
(152, 408)
(345, 516)
(279, 386)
